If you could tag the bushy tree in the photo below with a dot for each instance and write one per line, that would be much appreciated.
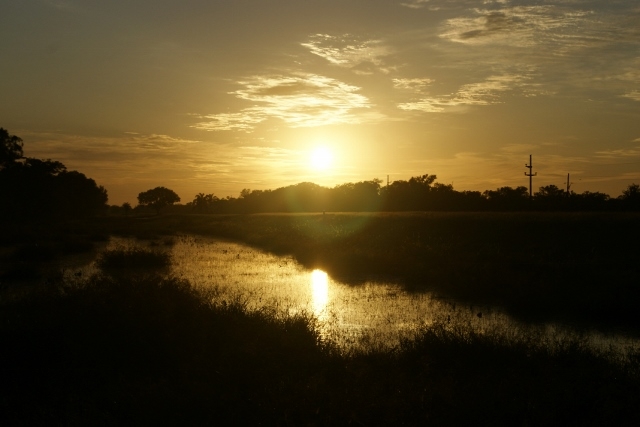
(414, 194)
(43, 189)
(10, 148)
(631, 197)
(77, 196)
(158, 198)
(551, 191)
(126, 208)
(507, 198)
(204, 203)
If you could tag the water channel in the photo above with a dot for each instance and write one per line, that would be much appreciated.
(351, 316)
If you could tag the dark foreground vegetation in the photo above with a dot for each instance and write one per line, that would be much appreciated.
(150, 350)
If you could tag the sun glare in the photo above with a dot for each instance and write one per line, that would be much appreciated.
(321, 158)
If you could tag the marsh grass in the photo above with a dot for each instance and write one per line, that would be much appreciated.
(132, 260)
(149, 350)
(152, 349)
(579, 268)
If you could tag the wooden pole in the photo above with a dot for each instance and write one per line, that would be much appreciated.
(530, 175)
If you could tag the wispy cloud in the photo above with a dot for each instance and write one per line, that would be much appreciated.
(245, 120)
(433, 5)
(574, 45)
(302, 100)
(415, 4)
(349, 51)
(524, 26)
(482, 93)
(634, 94)
(414, 85)
(618, 153)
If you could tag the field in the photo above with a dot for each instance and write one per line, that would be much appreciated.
(132, 346)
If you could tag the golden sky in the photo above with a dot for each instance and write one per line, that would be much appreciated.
(217, 96)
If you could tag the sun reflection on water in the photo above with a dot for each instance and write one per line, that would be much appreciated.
(319, 292)
(350, 316)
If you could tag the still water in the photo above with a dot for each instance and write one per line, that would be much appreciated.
(351, 316)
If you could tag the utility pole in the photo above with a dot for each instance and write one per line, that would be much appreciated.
(387, 181)
(568, 185)
(530, 175)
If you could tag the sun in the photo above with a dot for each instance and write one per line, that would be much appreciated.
(321, 158)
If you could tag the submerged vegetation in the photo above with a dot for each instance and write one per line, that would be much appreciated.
(150, 349)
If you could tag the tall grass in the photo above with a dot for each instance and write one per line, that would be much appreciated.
(150, 349)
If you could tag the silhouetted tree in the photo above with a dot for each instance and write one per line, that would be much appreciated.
(409, 195)
(507, 198)
(631, 197)
(302, 197)
(251, 201)
(44, 189)
(441, 197)
(77, 196)
(551, 197)
(471, 201)
(158, 198)
(354, 197)
(590, 201)
(126, 208)
(204, 203)
(424, 181)
(10, 148)
(551, 191)
(244, 193)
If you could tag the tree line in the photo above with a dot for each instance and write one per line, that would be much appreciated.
(420, 193)
(34, 189)
(44, 189)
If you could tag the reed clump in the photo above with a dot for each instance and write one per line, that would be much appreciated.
(129, 260)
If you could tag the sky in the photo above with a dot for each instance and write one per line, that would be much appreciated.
(220, 96)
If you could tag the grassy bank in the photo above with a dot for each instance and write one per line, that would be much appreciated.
(141, 349)
(578, 268)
